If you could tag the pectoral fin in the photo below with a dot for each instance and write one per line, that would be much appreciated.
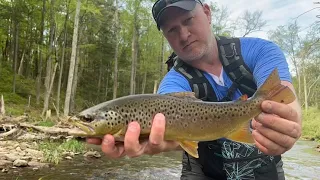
(242, 135)
(191, 147)
(243, 98)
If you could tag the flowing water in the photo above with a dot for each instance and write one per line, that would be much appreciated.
(301, 162)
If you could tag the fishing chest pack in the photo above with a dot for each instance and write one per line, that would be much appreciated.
(222, 158)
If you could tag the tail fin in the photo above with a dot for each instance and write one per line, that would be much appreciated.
(275, 91)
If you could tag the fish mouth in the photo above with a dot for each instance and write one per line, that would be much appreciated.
(85, 128)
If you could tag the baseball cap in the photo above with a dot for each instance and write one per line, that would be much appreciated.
(161, 5)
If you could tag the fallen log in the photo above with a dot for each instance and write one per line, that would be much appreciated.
(6, 134)
(48, 130)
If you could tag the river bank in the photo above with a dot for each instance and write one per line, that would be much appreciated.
(26, 144)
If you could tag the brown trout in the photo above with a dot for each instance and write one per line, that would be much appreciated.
(188, 119)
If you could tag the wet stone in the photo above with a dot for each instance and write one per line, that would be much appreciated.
(95, 154)
(20, 163)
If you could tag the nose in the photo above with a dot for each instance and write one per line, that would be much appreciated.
(184, 33)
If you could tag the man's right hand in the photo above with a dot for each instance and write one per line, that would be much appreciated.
(132, 147)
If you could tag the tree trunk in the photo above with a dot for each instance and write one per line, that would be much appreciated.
(107, 85)
(15, 54)
(305, 88)
(115, 80)
(39, 60)
(75, 82)
(2, 109)
(99, 79)
(72, 60)
(47, 97)
(49, 69)
(162, 57)
(155, 87)
(133, 64)
(21, 62)
(29, 47)
(62, 58)
(144, 81)
(135, 39)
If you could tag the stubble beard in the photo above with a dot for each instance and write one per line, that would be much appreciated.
(199, 54)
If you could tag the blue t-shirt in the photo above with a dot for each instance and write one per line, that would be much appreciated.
(261, 56)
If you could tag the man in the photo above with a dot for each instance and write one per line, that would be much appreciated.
(186, 24)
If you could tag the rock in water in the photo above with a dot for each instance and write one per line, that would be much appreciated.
(20, 163)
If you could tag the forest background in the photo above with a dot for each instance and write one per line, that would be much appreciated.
(68, 55)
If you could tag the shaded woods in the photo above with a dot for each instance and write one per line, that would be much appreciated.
(67, 55)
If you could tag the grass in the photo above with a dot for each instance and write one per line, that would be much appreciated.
(46, 123)
(53, 150)
(311, 124)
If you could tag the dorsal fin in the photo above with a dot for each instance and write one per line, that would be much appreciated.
(189, 95)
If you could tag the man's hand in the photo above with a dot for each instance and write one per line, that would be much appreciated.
(277, 128)
(131, 146)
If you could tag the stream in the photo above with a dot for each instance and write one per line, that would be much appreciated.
(301, 162)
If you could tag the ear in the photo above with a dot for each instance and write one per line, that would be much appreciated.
(207, 11)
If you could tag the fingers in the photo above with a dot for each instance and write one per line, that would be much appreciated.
(156, 139)
(131, 141)
(157, 130)
(280, 109)
(280, 139)
(110, 149)
(279, 124)
(267, 146)
(95, 141)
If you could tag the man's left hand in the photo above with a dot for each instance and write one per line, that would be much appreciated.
(277, 128)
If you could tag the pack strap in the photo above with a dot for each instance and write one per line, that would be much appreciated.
(199, 83)
(234, 65)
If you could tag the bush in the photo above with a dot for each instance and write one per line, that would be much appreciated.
(311, 124)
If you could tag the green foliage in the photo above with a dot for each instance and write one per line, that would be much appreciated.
(53, 150)
(311, 124)
(47, 123)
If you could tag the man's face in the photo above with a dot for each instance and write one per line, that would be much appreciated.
(188, 32)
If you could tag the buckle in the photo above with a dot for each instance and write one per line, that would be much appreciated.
(231, 53)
